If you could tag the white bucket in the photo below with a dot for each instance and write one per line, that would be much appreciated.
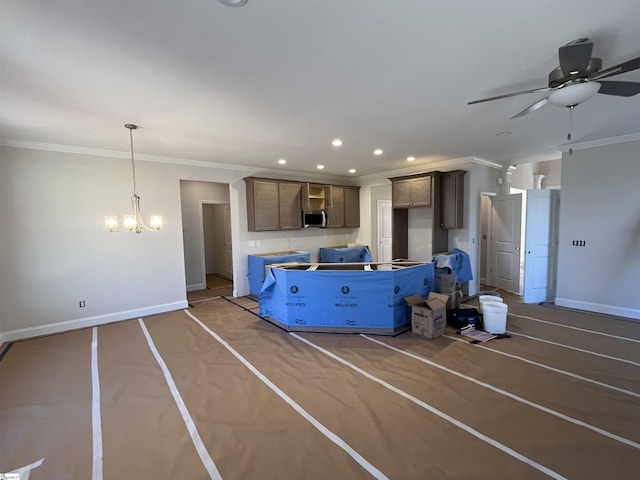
(494, 317)
(488, 298)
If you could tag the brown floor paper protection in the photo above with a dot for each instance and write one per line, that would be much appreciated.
(251, 432)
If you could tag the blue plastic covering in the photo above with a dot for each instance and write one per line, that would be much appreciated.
(458, 262)
(344, 300)
(346, 255)
(258, 262)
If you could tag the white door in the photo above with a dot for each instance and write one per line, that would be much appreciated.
(384, 230)
(541, 244)
(506, 220)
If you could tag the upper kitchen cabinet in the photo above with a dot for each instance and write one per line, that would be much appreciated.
(351, 206)
(343, 206)
(314, 196)
(290, 205)
(408, 192)
(273, 204)
(452, 199)
(335, 209)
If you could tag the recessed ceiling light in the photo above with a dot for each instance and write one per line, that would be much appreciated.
(378, 151)
(502, 134)
(336, 142)
(352, 170)
(233, 3)
(320, 167)
(410, 159)
(282, 161)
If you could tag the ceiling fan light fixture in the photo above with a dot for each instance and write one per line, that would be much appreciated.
(233, 3)
(574, 94)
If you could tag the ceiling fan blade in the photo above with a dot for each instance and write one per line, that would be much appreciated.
(507, 95)
(575, 57)
(531, 108)
(620, 89)
(628, 66)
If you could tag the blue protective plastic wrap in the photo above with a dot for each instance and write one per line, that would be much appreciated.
(344, 300)
(344, 255)
(258, 262)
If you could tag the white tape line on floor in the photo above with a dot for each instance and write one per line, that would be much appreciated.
(96, 468)
(552, 369)
(307, 416)
(517, 398)
(435, 411)
(207, 461)
(571, 327)
(569, 347)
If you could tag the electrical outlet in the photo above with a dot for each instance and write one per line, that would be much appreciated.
(82, 304)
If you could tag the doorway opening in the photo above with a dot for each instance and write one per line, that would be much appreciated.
(206, 231)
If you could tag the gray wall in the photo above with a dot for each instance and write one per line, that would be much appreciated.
(601, 204)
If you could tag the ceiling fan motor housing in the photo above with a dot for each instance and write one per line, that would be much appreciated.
(557, 76)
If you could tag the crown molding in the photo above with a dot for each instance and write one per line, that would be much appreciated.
(422, 168)
(54, 147)
(487, 163)
(600, 142)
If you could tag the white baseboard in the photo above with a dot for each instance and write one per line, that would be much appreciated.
(196, 286)
(598, 307)
(59, 327)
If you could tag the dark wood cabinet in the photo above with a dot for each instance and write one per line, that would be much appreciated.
(262, 205)
(351, 206)
(443, 192)
(273, 205)
(409, 192)
(290, 205)
(343, 206)
(452, 199)
(335, 209)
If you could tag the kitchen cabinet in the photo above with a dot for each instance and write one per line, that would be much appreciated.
(351, 206)
(314, 196)
(445, 199)
(273, 205)
(290, 205)
(452, 199)
(335, 209)
(409, 192)
(343, 209)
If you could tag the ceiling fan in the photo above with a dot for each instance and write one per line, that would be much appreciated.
(578, 78)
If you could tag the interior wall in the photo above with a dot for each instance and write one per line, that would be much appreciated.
(601, 205)
(479, 178)
(58, 253)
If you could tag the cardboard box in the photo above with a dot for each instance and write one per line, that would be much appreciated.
(445, 282)
(428, 317)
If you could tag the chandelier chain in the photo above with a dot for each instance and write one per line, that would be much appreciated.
(133, 163)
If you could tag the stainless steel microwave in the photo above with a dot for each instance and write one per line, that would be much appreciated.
(314, 218)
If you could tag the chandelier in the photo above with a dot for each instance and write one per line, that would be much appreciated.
(133, 222)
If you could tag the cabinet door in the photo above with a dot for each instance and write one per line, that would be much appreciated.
(421, 191)
(401, 193)
(351, 207)
(452, 200)
(335, 211)
(262, 205)
(290, 205)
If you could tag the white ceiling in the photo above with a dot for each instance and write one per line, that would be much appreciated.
(282, 78)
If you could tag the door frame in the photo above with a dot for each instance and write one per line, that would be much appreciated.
(380, 204)
(203, 260)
